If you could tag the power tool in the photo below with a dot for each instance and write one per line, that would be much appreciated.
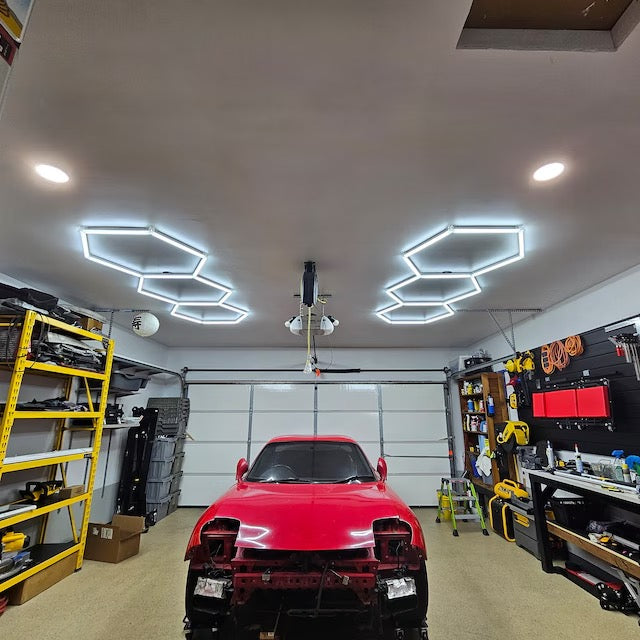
(508, 489)
(512, 433)
(37, 491)
(13, 541)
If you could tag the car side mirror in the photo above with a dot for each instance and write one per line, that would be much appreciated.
(382, 469)
(241, 468)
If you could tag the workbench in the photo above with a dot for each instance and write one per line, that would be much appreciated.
(627, 500)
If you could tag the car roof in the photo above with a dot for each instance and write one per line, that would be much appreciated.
(305, 438)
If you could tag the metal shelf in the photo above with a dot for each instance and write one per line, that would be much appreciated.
(45, 555)
(40, 511)
(30, 415)
(53, 461)
(64, 371)
(45, 459)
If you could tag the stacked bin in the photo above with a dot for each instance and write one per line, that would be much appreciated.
(167, 455)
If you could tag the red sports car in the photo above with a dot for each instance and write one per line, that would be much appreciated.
(310, 531)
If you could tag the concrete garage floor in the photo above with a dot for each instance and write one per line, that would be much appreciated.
(480, 589)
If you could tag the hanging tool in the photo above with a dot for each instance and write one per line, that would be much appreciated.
(512, 433)
(627, 346)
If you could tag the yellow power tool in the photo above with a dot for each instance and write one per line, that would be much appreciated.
(513, 433)
(508, 489)
(14, 541)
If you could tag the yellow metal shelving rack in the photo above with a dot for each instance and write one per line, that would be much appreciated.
(46, 555)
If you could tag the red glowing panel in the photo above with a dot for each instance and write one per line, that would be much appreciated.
(561, 404)
(539, 405)
(593, 402)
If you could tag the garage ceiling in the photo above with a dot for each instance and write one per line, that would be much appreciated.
(341, 131)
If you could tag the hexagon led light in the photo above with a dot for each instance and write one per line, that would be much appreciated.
(468, 278)
(209, 293)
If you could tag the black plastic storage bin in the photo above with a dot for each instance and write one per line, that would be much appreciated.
(177, 463)
(161, 507)
(173, 502)
(572, 513)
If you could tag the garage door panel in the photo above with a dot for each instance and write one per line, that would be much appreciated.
(213, 457)
(414, 426)
(359, 426)
(399, 465)
(412, 397)
(203, 490)
(348, 397)
(372, 451)
(269, 425)
(413, 415)
(283, 397)
(438, 448)
(219, 397)
(218, 426)
(416, 490)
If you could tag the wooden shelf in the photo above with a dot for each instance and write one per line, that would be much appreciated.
(484, 485)
(492, 384)
(608, 555)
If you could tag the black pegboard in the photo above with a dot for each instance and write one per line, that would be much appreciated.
(600, 361)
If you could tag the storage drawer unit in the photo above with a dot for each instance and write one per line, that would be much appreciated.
(524, 531)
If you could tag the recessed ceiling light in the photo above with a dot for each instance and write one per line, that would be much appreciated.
(548, 172)
(51, 173)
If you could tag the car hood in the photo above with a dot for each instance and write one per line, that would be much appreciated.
(310, 517)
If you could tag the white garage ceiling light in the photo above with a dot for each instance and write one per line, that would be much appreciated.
(473, 288)
(51, 173)
(549, 171)
(213, 294)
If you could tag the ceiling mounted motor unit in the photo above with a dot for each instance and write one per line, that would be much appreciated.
(307, 322)
(320, 325)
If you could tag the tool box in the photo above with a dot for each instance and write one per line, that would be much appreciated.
(500, 518)
(524, 530)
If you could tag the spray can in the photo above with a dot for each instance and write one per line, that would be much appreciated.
(579, 465)
(551, 460)
(626, 474)
(491, 408)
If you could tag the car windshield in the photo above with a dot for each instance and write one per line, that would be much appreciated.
(311, 461)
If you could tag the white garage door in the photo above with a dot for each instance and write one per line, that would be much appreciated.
(406, 423)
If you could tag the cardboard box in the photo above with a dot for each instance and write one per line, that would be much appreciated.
(89, 324)
(42, 580)
(64, 494)
(115, 541)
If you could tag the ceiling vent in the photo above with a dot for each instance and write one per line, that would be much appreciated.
(549, 25)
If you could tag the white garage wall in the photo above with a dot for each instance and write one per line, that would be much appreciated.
(606, 303)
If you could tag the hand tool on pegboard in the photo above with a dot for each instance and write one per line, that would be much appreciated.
(627, 346)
